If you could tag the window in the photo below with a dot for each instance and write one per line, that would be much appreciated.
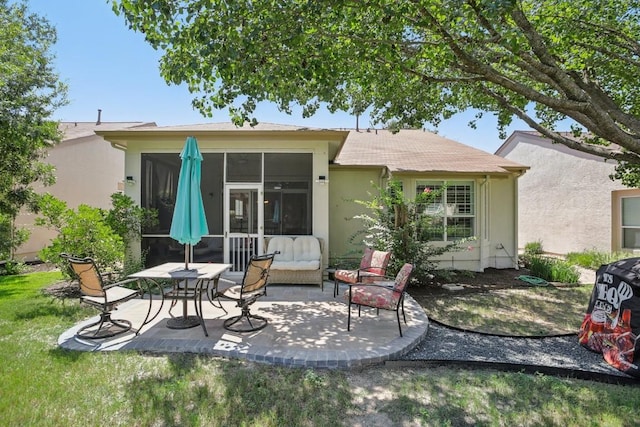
(244, 167)
(287, 179)
(450, 214)
(631, 222)
(160, 173)
(287, 193)
(159, 184)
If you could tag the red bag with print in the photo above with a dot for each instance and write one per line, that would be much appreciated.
(612, 322)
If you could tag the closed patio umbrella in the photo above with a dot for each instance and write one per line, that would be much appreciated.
(189, 222)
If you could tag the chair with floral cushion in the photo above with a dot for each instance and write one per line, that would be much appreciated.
(373, 267)
(381, 295)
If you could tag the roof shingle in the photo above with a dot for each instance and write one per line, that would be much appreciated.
(418, 151)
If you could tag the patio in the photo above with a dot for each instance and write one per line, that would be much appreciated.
(307, 328)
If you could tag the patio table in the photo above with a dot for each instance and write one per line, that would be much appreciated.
(185, 285)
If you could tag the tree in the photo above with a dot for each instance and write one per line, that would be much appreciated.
(412, 62)
(29, 93)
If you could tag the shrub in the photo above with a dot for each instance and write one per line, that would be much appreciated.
(396, 224)
(12, 267)
(83, 233)
(92, 232)
(533, 248)
(553, 270)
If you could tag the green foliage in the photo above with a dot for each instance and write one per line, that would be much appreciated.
(93, 232)
(396, 224)
(128, 219)
(11, 237)
(628, 174)
(533, 248)
(553, 270)
(12, 267)
(593, 258)
(82, 232)
(30, 93)
(411, 63)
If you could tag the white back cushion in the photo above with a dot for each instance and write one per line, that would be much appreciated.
(306, 248)
(282, 244)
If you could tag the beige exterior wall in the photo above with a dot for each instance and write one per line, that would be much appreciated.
(495, 221)
(501, 222)
(88, 171)
(565, 198)
(347, 185)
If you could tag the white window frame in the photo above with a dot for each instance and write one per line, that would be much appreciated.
(453, 209)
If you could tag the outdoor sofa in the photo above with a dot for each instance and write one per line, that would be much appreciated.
(299, 260)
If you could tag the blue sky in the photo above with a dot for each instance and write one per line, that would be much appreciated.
(109, 67)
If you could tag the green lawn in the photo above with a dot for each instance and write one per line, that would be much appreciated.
(533, 311)
(43, 385)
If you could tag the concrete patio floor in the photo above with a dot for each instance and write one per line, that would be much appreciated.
(307, 328)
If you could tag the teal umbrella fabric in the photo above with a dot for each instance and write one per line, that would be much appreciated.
(189, 222)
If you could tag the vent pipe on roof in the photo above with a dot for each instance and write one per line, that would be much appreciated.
(99, 116)
(357, 122)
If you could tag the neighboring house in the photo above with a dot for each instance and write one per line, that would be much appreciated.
(567, 200)
(287, 180)
(87, 172)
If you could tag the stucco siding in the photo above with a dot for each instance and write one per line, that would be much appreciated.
(346, 186)
(565, 198)
(501, 249)
(88, 171)
(495, 244)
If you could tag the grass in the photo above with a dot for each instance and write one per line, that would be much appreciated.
(530, 311)
(593, 258)
(44, 385)
(442, 397)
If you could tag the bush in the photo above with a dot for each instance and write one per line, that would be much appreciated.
(398, 225)
(92, 232)
(82, 233)
(533, 248)
(553, 270)
(12, 267)
(11, 237)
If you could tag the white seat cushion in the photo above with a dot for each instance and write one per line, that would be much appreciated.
(296, 265)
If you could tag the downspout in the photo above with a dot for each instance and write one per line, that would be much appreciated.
(384, 173)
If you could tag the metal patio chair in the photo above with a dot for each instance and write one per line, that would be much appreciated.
(373, 267)
(102, 296)
(253, 287)
(381, 295)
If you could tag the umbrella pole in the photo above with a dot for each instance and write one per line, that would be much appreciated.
(187, 251)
